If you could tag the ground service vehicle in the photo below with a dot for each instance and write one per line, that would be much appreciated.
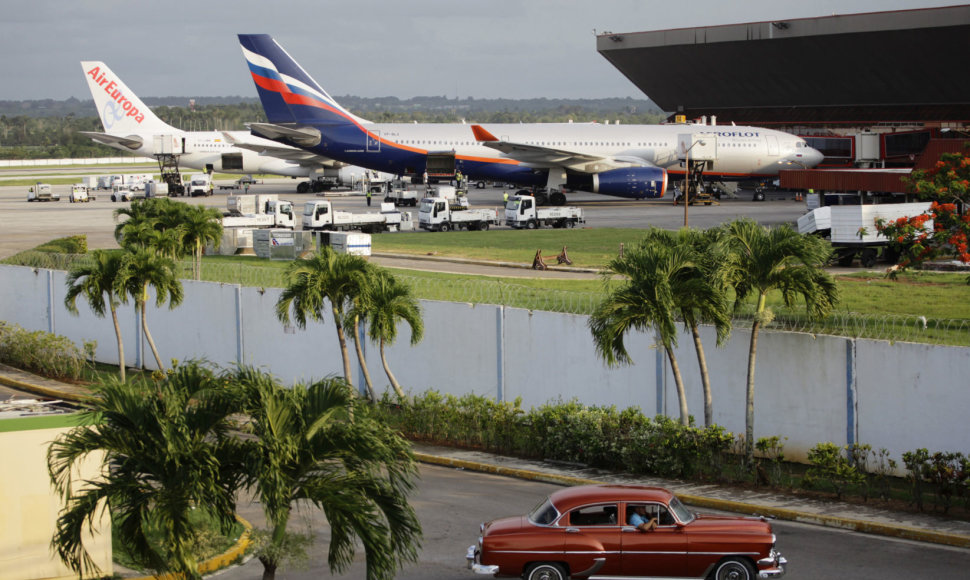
(200, 184)
(521, 211)
(441, 214)
(122, 193)
(852, 229)
(320, 215)
(155, 188)
(249, 203)
(590, 532)
(42, 192)
(402, 196)
(274, 214)
(79, 193)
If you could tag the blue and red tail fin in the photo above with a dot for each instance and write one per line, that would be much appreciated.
(287, 92)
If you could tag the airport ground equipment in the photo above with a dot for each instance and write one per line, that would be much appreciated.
(521, 211)
(852, 229)
(272, 213)
(42, 192)
(79, 194)
(441, 214)
(319, 215)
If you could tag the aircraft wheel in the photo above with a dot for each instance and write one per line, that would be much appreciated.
(480, 185)
(759, 196)
(558, 198)
(303, 187)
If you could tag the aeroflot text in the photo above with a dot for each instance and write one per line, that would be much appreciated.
(111, 87)
(737, 133)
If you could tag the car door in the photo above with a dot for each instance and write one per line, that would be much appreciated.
(660, 552)
(593, 535)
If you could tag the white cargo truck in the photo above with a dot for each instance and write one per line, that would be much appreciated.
(320, 215)
(521, 211)
(275, 214)
(852, 229)
(441, 214)
(42, 192)
(90, 182)
(250, 203)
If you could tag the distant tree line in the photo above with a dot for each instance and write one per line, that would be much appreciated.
(48, 129)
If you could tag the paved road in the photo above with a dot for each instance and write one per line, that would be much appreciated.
(451, 504)
(26, 225)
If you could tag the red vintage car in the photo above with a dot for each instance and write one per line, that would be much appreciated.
(589, 532)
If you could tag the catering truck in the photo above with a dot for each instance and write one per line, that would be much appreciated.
(521, 212)
(852, 229)
(319, 215)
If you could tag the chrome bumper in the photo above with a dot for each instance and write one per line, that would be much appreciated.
(775, 565)
(471, 556)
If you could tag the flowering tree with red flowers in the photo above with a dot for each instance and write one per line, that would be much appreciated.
(947, 184)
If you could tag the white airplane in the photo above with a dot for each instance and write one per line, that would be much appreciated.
(619, 160)
(131, 126)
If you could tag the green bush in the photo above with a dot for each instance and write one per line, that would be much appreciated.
(46, 354)
(831, 464)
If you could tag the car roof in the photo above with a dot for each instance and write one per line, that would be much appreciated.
(571, 497)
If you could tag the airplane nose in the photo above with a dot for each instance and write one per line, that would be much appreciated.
(812, 157)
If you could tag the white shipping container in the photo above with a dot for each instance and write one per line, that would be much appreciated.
(848, 221)
(354, 243)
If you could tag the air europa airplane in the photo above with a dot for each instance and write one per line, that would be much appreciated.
(131, 126)
(619, 160)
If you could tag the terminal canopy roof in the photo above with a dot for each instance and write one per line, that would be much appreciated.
(900, 66)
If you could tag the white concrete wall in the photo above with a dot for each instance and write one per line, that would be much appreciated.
(808, 388)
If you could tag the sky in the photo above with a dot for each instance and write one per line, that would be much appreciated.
(371, 48)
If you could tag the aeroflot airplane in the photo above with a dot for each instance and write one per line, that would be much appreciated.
(131, 126)
(620, 160)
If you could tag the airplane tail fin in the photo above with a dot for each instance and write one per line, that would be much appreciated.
(287, 92)
(120, 110)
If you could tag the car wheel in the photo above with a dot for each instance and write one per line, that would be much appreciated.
(484, 227)
(733, 569)
(444, 227)
(531, 224)
(480, 185)
(546, 571)
(759, 196)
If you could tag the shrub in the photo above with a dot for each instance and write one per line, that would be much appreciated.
(46, 354)
(917, 463)
(829, 463)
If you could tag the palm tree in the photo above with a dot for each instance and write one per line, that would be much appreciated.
(645, 299)
(199, 226)
(162, 460)
(311, 445)
(142, 268)
(761, 260)
(387, 302)
(326, 276)
(701, 298)
(96, 280)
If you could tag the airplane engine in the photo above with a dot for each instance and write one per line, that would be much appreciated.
(636, 182)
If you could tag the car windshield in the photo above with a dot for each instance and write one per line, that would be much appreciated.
(544, 513)
(683, 514)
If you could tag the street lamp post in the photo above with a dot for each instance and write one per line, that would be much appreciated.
(687, 177)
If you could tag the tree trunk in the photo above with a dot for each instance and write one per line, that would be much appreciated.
(749, 392)
(121, 343)
(363, 361)
(705, 376)
(148, 335)
(390, 375)
(679, 381)
(337, 315)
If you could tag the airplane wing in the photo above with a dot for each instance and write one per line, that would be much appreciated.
(285, 152)
(535, 155)
(131, 142)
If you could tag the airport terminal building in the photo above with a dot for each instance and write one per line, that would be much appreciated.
(868, 90)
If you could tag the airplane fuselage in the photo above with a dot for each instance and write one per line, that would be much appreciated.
(402, 148)
(204, 149)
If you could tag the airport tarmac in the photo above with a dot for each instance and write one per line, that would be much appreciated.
(25, 225)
